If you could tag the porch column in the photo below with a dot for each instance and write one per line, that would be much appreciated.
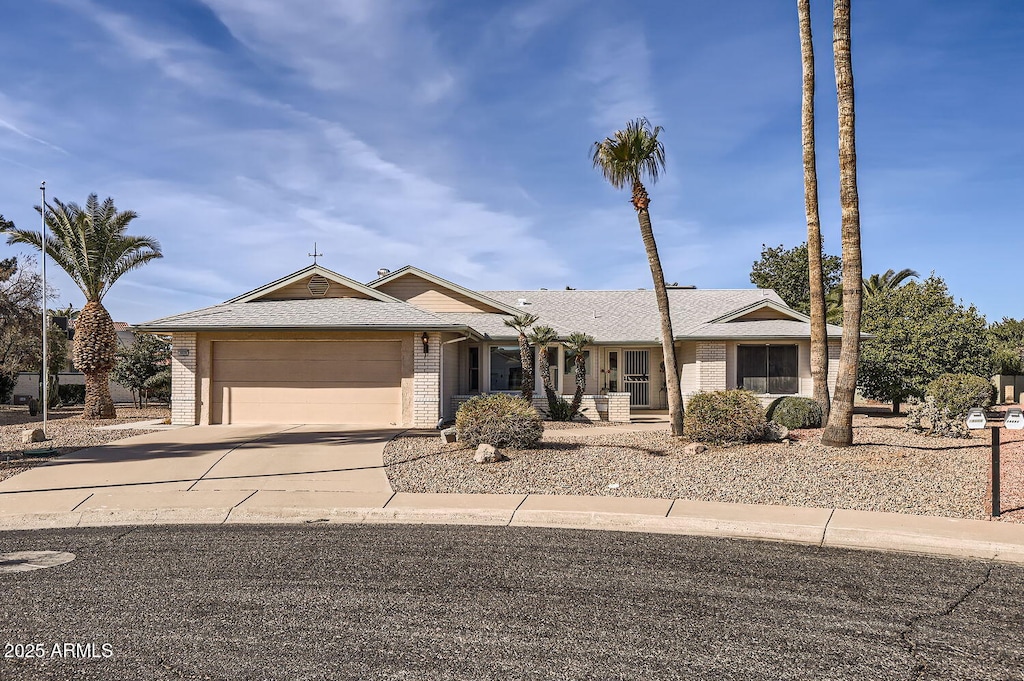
(183, 379)
(711, 365)
(426, 381)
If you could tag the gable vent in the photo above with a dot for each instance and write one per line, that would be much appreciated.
(318, 285)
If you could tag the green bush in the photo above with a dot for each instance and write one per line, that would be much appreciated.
(560, 410)
(724, 416)
(71, 394)
(957, 393)
(500, 420)
(795, 412)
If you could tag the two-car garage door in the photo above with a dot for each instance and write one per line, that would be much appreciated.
(357, 382)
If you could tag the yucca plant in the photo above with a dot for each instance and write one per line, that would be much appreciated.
(577, 344)
(91, 245)
(541, 337)
(522, 323)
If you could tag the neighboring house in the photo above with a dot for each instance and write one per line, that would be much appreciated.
(28, 381)
(407, 348)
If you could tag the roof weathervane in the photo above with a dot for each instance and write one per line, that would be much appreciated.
(314, 254)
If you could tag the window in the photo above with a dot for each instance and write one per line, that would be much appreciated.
(570, 362)
(474, 369)
(506, 368)
(767, 369)
(552, 351)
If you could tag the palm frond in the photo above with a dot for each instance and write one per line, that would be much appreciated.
(631, 154)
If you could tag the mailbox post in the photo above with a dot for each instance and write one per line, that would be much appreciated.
(1014, 421)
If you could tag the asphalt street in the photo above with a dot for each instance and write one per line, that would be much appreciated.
(446, 602)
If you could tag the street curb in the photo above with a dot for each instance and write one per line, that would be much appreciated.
(833, 528)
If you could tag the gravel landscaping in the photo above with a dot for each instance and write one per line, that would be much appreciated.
(886, 470)
(68, 432)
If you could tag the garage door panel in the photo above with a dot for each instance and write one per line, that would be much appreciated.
(267, 372)
(354, 382)
(309, 350)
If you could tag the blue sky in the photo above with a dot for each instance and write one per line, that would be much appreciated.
(454, 135)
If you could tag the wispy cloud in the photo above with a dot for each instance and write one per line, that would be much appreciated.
(617, 69)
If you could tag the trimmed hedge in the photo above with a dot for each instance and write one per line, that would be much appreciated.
(795, 412)
(724, 416)
(958, 393)
(500, 420)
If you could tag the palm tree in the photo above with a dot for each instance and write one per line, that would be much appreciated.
(628, 157)
(839, 430)
(577, 344)
(541, 337)
(521, 323)
(91, 245)
(819, 332)
(889, 281)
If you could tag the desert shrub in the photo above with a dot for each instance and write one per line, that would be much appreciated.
(71, 394)
(724, 416)
(926, 417)
(795, 412)
(560, 410)
(500, 420)
(960, 392)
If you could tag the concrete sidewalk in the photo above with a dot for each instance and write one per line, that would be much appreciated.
(162, 504)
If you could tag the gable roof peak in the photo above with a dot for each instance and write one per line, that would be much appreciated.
(310, 270)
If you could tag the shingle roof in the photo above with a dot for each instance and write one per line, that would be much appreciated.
(319, 313)
(629, 317)
(632, 316)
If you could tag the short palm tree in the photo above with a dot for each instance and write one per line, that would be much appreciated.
(577, 343)
(91, 245)
(886, 282)
(628, 157)
(541, 337)
(522, 323)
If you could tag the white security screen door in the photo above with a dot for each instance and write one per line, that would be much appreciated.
(636, 378)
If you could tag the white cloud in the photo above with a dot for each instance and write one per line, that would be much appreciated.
(617, 69)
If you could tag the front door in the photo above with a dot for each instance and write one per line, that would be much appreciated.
(636, 377)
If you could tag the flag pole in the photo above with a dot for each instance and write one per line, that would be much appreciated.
(45, 373)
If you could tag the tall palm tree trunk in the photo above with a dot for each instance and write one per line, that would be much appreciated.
(95, 350)
(675, 395)
(839, 431)
(819, 334)
(580, 364)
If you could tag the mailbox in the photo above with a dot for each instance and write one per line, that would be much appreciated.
(1014, 419)
(976, 418)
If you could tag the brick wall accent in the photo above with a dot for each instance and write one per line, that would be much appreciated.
(183, 379)
(618, 407)
(711, 365)
(426, 381)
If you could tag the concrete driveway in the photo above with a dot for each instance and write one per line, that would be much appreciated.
(206, 467)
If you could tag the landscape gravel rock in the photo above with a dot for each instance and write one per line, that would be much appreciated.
(887, 469)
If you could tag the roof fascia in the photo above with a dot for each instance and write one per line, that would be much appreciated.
(450, 285)
(308, 271)
(757, 305)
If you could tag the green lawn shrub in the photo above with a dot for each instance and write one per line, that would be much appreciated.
(500, 420)
(958, 393)
(724, 416)
(795, 412)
